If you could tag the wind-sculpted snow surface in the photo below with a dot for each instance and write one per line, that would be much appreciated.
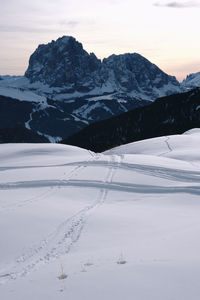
(118, 225)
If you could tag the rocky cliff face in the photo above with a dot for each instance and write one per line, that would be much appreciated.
(64, 63)
(134, 73)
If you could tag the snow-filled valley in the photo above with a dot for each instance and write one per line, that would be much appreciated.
(119, 225)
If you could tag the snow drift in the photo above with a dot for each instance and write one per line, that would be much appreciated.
(118, 225)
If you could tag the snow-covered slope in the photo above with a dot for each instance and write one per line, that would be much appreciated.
(118, 225)
(185, 147)
(191, 81)
(166, 116)
(55, 113)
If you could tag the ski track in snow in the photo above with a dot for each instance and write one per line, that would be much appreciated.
(61, 240)
(168, 146)
(156, 171)
(170, 150)
(66, 234)
(119, 186)
(53, 188)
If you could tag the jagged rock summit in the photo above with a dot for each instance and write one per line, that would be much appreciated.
(134, 73)
(64, 63)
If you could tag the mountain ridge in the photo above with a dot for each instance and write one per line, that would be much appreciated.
(67, 88)
(65, 63)
(166, 116)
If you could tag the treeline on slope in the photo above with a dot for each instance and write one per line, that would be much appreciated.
(166, 116)
(20, 134)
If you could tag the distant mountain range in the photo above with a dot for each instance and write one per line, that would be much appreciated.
(174, 114)
(65, 64)
(65, 89)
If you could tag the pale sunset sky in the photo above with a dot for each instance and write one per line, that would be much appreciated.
(165, 32)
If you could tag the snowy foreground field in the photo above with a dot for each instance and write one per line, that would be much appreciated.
(83, 226)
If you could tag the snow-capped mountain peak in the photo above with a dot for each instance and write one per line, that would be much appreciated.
(70, 88)
(133, 72)
(191, 81)
(64, 63)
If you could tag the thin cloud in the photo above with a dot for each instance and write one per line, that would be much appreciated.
(12, 28)
(175, 4)
(71, 24)
(39, 28)
(74, 23)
